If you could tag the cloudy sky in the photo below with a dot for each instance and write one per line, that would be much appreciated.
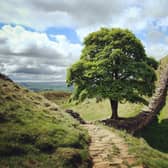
(39, 39)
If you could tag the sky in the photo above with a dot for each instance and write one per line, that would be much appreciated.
(39, 39)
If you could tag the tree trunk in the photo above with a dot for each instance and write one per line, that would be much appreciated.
(114, 107)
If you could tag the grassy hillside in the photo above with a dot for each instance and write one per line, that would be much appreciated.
(36, 133)
(145, 153)
(91, 110)
(58, 97)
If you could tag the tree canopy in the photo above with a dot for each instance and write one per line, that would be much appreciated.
(113, 65)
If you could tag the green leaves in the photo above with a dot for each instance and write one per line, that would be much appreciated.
(114, 65)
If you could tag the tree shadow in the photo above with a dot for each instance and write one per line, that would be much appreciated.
(156, 135)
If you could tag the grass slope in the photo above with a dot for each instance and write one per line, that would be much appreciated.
(58, 97)
(138, 146)
(145, 154)
(91, 110)
(36, 133)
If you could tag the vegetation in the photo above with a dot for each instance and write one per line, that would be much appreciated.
(162, 63)
(58, 97)
(150, 146)
(47, 86)
(91, 110)
(113, 65)
(146, 155)
(36, 133)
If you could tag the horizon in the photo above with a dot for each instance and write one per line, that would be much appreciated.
(43, 86)
(40, 39)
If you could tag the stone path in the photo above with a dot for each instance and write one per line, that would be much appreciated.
(108, 150)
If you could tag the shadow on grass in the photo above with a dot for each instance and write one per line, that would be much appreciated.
(156, 135)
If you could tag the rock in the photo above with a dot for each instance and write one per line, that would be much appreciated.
(4, 77)
(75, 115)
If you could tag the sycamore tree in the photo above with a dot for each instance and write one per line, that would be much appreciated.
(113, 65)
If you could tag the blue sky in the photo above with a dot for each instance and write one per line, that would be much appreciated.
(39, 39)
(70, 33)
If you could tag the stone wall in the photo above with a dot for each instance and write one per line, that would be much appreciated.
(157, 101)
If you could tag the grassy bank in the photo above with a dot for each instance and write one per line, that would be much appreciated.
(145, 154)
(90, 109)
(149, 147)
(58, 97)
(156, 134)
(37, 133)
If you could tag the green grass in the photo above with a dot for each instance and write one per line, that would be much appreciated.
(58, 97)
(164, 112)
(37, 133)
(91, 110)
(156, 134)
(149, 147)
(144, 153)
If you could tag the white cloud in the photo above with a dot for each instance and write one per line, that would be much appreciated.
(163, 22)
(156, 42)
(20, 48)
(76, 13)
(79, 14)
(156, 9)
(157, 50)
(31, 53)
